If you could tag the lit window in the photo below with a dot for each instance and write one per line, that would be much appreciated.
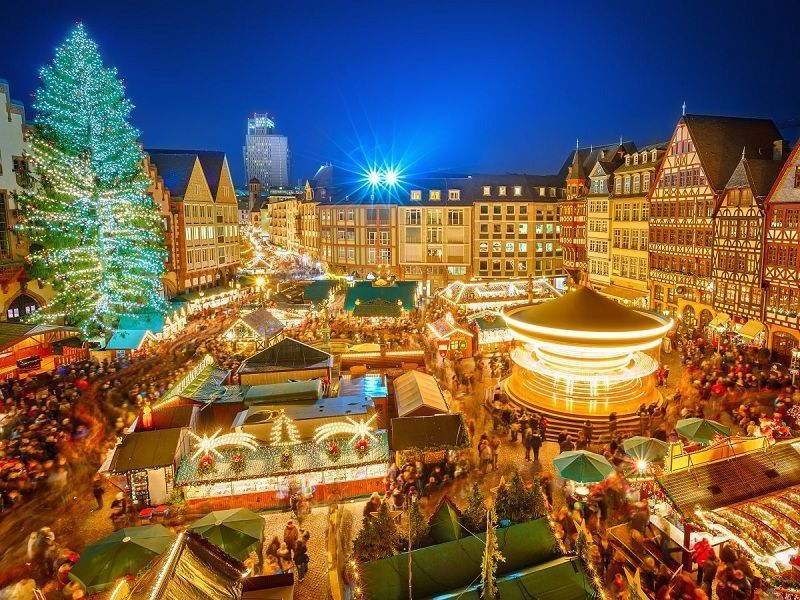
(435, 195)
(487, 191)
(636, 159)
(453, 194)
(628, 159)
(416, 194)
(518, 190)
(501, 191)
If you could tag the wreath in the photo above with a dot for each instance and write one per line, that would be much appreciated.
(333, 451)
(206, 465)
(238, 462)
(286, 459)
(361, 448)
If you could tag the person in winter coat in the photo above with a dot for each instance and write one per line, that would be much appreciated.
(301, 558)
(290, 536)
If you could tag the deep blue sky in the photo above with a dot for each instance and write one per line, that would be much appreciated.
(461, 86)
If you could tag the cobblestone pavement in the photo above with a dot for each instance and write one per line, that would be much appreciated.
(315, 584)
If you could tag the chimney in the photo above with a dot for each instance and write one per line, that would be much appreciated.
(777, 150)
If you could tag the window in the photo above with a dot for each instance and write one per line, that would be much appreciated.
(384, 238)
(351, 254)
(487, 190)
(496, 246)
(484, 210)
(510, 229)
(340, 215)
(646, 182)
(371, 256)
(518, 190)
(416, 194)
(523, 210)
(501, 191)
(653, 155)
(497, 210)
(510, 210)
(636, 183)
(484, 247)
(435, 195)
(351, 234)
(372, 235)
(413, 235)
(797, 177)
(523, 247)
(627, 159)
(455, 217)
(627, 185)
(435, 216)
(386, 256)
(349, 214)
(523, 229)
(618, 186)
(413, 217)
(453, 194)
(509, 247)
(434, 235)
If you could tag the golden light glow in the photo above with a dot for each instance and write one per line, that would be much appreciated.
(207, 445)
(359, 430)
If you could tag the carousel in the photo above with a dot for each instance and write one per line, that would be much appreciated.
(584, 355)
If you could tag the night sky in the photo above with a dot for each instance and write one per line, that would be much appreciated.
(434, 85)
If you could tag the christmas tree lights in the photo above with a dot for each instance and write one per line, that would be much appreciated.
(284, 432)
(95, 234)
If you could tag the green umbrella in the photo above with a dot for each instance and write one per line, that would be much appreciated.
(701, 430)
(645, 448)
(582, 466)
(124, 552)
(235, 531)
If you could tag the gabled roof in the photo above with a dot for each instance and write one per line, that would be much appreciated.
(263, 323)
(146, 450)
(414, 390)
(194, 569)
(434, 432)
(756, 174)
(783, 192)
(445, 525)
(719, 142)
(743, 477)
(13, 333)
(175, 167)
(286, 355)
(587, 158)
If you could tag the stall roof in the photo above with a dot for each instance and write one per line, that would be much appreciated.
(193, 569)
(169, 417)
(324, 408)
(414, 390)
(14, 333)
(377, 308)
(263, 323)
(282, 392)
(146, 450)
(388, 292)
(318, 290)
(423, 433)
(488, 323)
(721, 483)
(286, 355)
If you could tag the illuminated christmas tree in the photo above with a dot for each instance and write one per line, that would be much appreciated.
(95, 234)
(284, 432)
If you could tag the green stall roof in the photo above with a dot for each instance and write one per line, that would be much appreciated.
(455, 565)
(283, 392)
(367, 292)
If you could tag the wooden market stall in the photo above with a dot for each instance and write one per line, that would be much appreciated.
(34, 348)
(284, 360)
(447, 337)
(419, 395)
(258, 330)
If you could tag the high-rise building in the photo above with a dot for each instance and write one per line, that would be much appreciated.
(266, 153)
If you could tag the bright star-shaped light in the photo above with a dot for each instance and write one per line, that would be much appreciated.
(360, 430)
(374, 177)
(208, 444)
(391, 177)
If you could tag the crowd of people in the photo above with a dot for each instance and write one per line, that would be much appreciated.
(42, 423)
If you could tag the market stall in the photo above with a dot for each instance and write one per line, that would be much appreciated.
(257, 330)
(492, 332)
(474, 296)
(447, 337)
(284, 360)
(418, 395)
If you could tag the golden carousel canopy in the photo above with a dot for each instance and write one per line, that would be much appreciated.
(584, 317)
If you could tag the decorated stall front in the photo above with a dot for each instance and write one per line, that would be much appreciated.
(347, 458)
(450, 339)
(492, 332)
(475, 296)
(737, 490)
(428, 438)
(256, 330)
(380, 298)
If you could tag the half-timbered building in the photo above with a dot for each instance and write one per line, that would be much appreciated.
(738, 247)
(701, 157)
(781, 269)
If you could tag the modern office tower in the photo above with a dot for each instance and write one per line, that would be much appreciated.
(266, 153)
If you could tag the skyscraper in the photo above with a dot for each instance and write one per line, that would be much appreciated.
(266, 153)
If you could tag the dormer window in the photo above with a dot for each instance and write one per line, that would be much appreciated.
(653, 155)
(487, 190)
(518, 190)
(416, 194)
(636, 159)
(435, 195)
(501, 191)
(628, 160)
(454, 194)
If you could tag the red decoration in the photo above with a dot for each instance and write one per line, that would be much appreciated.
(361, 448)
(333, 451)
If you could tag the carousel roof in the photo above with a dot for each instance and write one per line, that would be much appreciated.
(583, 309)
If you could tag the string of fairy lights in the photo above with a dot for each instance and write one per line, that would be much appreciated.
(95, 234)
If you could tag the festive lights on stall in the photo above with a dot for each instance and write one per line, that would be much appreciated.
(284, 431)
(208, 445)
(360, 430)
